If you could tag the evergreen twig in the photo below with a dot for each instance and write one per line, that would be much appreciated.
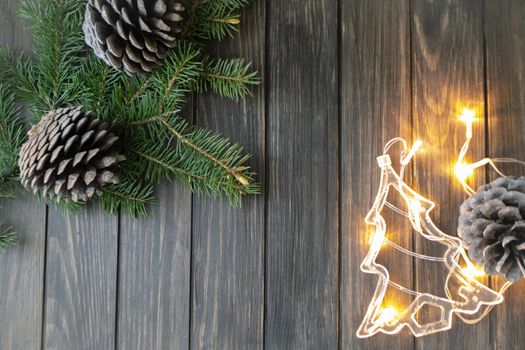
(203, 160)
(130, 196)
(228, 78)
(12, 133)
(144, 111)
(213, 19)
(7, 236)
(58, 44)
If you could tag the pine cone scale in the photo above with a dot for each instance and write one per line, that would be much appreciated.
(132, 35)
(68, 163)
(492, 227)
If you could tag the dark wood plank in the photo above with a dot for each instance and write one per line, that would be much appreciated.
(302, 262)
(154, 274)
(81, 280)
(447, 74)
(505, 53)
(21, 267)
(228, 243)
(375, 107)
(22, 276)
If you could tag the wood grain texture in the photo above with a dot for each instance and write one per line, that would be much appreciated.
(22, 276)
(505, 55)
(22, 266)
(302, 264)
(154, 274)
(341, 77)
(81, 280)
(228, 243)
(375, 107)
(447, 74)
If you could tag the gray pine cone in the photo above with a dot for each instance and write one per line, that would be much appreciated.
(69, 154)
(132, 35)
(492, 228)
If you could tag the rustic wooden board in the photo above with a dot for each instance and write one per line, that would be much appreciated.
(154, 274)
(447, 71)
(228, 243)
(505, 54)
(375, 107)
(81, 280)
(22, 276)
(282, 272)
(302, 263)
(21, 267)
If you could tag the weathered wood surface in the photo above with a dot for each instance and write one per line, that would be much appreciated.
(302, 242)
(447, 75)
(375, 106)
(21, 269)
(227, 299)
(282, 272)
(154, 274)
(80, 281)
(505, 57)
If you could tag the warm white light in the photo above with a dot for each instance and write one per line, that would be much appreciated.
(474, 301)
(387, 315)
(462, 171)
(415, 206)
(473, 271)
(467, 115)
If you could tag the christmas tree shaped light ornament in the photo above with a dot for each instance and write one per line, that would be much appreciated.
(471, 301)
(472, 294)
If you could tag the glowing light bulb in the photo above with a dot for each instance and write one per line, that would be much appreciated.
(467, 115)
(462, 171)
(473, 271)
(387, 315)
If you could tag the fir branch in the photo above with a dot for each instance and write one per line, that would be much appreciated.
(213, 19)
(182, 68)
(228, 78)
(142, 110)
(64, 205)
(12, 133)
(57, 31)
(160, 161)
(17, 71)
(208, 163)
(126, 96)
(8, 236)
(130, 196)
(164, 91)
(179, 129)
(10, 187)
(100, 81)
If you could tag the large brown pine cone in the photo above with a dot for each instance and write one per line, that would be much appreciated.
(132, 35)
(69, 154)
(492, 228)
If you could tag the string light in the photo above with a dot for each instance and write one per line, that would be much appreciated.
(388, 315)
(471, 300)
(473, 271)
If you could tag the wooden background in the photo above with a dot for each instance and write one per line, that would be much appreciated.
(341, 77)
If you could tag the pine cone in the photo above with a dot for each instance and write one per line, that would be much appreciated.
(492, 228)
(69, 154)
(132, 35)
